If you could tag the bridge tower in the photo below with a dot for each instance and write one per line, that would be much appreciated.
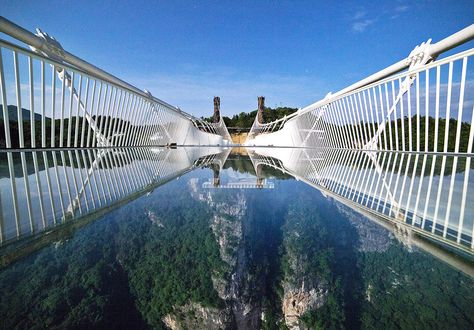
(217, 109)
(261, 107)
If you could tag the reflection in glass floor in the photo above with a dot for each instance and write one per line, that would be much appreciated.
(183, 244)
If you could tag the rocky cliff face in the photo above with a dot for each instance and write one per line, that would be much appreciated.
(372, 237)
(228, 225)
(195, 316)
(297, 301)
(239, 311)
(302, 292)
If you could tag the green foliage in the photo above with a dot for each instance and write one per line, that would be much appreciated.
(410, 290)
(246, 119)
(118, 272)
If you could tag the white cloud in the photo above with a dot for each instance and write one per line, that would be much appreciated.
(401, 9)
(360, 26)
(359, 14)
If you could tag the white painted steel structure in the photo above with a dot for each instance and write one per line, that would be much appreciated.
(71, 103)
(56, 187)
(390, 111)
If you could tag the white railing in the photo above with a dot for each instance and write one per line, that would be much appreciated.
(58, 100)
(428, 107)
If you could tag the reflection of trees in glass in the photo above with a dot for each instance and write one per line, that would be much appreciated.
(414, 290)
(159, 253)
(118, 271)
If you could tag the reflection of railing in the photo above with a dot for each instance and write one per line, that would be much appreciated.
(399, 187)
(380, 113)
(43, 189)
(59, 100)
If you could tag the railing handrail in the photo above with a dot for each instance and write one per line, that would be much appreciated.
(432, 51)
(17, 32)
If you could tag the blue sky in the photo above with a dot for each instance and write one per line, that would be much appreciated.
(292, 52)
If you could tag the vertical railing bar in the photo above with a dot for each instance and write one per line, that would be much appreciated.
(153, 119)
(364, 118)
(68, 188)
(76, 122)
(398, 174)
(418, 116)
(438, 78)
(32, 104)
(402, 114)
(94, 105)
(133, 121)
(117, 166)
(115, 115)
(402, 191)
(110, 114)
(91, 113)
(410, 190)
(84, 120)
(154, 126)
(98, 126)
(410, 130)
(148, 120)
(440, 190)
(132, 139)
(466, 182)
(420, 186)
(88, 178)
(118, 118)
(71, 101)
(43, 105)
(395, 119)
(16, 211)
(6, 117)
(48, 181)
(74, 180)
(58, 182)
(430, 182)
(53, 106)
(126, 119)
(81, 178)
(61, 119)
(389, 184)
(381, 114)
(360, 142)
(39, 187)
(116, 173)
(110, 173)
(461, 102)
(389, 122)
(97, 160)
(427, 111)
(448, 108)
(27, 191)
(94, 176)
(136, 132)
(19, 109)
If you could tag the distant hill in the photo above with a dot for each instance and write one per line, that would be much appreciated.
(13, 114)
